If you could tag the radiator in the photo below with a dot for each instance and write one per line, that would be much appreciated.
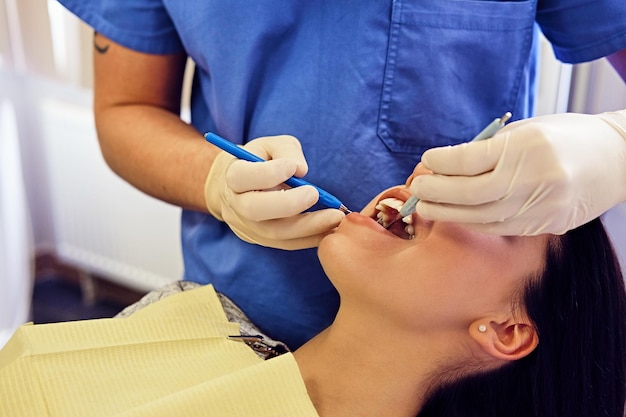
(101, 224)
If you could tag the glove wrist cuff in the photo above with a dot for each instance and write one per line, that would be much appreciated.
(207, 199)
(617, 119)
(215, 180)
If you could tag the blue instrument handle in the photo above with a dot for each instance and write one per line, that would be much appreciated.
(326, 198)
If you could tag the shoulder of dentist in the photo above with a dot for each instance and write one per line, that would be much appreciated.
(366, 87)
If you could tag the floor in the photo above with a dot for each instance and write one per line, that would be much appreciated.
(62, 293)
(58, 299)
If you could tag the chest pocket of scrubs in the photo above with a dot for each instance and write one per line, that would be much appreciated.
(452, 67)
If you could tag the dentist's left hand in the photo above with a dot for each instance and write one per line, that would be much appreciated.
(252, 199)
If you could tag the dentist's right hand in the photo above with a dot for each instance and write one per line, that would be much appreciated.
(251, 198)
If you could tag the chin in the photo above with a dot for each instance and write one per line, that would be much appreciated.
(326, 247)
(332, 253)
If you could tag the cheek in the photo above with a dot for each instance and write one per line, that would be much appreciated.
(507, 259)
(453, 269)
(482, 268)
(489, 254)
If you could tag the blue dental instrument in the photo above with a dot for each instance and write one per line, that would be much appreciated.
(486, 133)
(326, 198)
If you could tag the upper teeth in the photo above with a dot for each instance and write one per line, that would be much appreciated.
(385, 216)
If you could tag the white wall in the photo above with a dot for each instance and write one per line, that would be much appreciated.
(553, 89)
(16, 268)
(80, 210)
(16, 272)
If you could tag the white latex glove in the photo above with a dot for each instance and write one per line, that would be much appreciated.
(251, 199)
(547, 174)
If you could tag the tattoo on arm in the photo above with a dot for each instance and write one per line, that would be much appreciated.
(100, 48)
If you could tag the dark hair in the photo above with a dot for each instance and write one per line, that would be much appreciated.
(578, 307)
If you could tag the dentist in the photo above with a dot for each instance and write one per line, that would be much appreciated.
(351, 94)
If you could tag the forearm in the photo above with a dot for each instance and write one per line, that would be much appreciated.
(156, 152)
(137, 105)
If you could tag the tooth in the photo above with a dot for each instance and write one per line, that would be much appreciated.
(410, 230)
(391, 202)
(384, 216)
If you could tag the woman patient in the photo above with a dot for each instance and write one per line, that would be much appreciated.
(438, 320)
(458, 323)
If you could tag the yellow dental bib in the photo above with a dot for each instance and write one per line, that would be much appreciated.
(172, 357)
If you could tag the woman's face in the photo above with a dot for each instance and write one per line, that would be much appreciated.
(446, 274)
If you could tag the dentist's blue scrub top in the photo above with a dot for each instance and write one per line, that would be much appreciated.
(365, 85)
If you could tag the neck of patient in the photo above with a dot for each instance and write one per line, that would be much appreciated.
(372, 367)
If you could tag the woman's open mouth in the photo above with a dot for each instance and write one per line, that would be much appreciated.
(387, 210)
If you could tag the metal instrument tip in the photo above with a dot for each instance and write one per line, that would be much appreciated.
(394, 221)
(505, 118)
(345, 209)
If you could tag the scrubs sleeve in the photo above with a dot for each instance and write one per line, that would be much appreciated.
(141, 25)
(583, 30)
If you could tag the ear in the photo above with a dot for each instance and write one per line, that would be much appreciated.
(507, 339)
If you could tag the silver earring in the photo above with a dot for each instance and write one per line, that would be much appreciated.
(482, 328)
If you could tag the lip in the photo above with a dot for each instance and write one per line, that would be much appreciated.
(399, 193)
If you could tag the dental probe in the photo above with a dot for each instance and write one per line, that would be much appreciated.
(326, 198)
(486, 133)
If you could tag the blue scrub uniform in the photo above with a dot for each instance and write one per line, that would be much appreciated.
(365, 85)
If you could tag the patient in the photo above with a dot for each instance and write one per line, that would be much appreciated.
(438, 320)
(459, 323)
